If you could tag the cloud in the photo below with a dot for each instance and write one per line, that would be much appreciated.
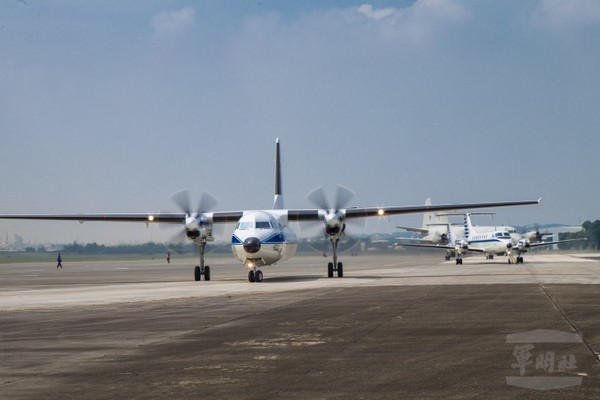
(370, 12)
(419, 21)
(562, 14)
(170, 22)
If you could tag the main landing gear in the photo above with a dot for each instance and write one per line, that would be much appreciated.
(515, 260)
(202, 270)
(335, 266)
(339, 270)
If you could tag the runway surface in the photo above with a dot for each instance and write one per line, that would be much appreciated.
(396, 326)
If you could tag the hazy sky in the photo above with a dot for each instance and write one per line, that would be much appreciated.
(113, 106)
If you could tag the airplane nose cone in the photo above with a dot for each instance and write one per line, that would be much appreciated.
(251, 245)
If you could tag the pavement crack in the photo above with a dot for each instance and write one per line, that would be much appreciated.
(571, 323)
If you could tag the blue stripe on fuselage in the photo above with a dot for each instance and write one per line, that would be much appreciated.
(277, 238)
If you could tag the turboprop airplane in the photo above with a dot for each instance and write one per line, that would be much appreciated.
(435, 228)
(264, 237)
(496, 242)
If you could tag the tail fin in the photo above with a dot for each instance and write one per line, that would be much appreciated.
(278, 201)
(450, 235)
(468, 227)
(431, 218)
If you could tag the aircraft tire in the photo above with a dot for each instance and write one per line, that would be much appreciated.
(330, 270)
(340, 270)
(258, 276)
(207, 273)
(197, 273)
(251, 276)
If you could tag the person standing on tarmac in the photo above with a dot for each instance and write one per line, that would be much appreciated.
(59, 261)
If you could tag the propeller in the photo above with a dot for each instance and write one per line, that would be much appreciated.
(332, 214)
(195, 224)
(182, 199)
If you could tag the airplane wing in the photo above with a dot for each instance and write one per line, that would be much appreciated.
(170, 218)
(364, 212)
(539, 244)
(416, 230)
(425, 245)
(234, 216)
(114, 217)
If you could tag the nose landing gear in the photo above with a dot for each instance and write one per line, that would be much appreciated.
(255, 275)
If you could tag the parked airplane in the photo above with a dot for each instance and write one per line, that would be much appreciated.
(264, 237)
(496, 242)
(434, 229)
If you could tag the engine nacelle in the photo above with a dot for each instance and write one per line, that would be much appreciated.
(193, 235)
(524, 243)
(462, 244)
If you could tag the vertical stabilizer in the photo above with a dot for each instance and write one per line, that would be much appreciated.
(468, 227)
(451, 238)
(432, 219)
(278, 201)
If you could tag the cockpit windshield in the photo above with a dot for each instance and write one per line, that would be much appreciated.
(263, 225)
(245, 225)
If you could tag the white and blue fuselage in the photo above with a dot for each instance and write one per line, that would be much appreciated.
(497, 242)
(263, 238)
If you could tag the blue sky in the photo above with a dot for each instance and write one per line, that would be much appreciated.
(113, 106)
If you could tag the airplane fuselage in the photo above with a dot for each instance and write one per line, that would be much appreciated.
(263, 238)
(497, 242)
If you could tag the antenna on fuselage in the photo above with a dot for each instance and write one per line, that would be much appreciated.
(278, 201)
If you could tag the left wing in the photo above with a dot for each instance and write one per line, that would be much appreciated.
(539, 244)
(440, 246)
(364, 212)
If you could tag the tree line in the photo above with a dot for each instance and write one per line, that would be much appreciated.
(590, 230)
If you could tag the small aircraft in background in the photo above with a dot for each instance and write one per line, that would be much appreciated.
(435, 228)
(264, 237)
(489, 242)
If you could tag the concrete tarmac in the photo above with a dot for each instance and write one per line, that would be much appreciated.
(396, 326)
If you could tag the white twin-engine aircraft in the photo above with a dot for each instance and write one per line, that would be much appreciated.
(489, 242)
(264, 237)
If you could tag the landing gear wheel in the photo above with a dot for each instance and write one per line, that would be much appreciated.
(207, 273)
(459, 261)
(251, 276)
(491, 256)
(340, 270)
(197, 273)
(330, 270)
(258, 276)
